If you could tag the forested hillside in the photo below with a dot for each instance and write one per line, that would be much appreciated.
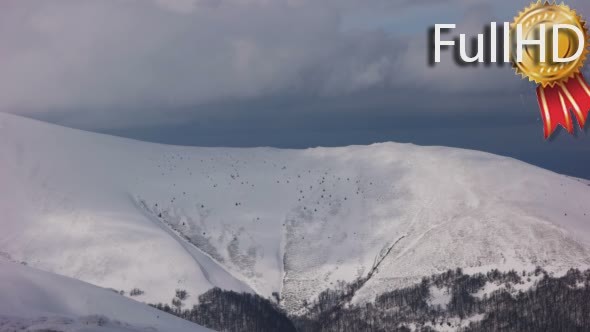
(452, 301)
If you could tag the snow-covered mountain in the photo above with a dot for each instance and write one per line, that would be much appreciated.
(126, 214)
(34, 300)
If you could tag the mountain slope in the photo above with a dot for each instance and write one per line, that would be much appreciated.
(123, 214)
(39, 300)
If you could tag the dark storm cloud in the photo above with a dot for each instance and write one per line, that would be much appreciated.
(130, 55)
(124, 62)
(285, 73)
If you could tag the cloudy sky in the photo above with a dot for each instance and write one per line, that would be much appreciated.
(284, 73)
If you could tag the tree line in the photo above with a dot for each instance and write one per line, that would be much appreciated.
(517, 301)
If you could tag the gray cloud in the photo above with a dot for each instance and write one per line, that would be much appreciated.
(120, 61)
(286, 73)
(128, 54)
(128, 63)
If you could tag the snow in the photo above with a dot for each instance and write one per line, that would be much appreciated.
(439, 297)
(41, 301)
(488, 289)
(454, 323)
(123, 214)
(529, 281)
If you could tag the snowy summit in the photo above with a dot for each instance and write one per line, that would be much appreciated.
(124, 214)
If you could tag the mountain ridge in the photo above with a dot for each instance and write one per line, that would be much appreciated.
(38, 300)
(292, 222)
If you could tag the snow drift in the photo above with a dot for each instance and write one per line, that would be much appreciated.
(37, 300)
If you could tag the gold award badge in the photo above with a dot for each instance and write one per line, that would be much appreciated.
(557, 68)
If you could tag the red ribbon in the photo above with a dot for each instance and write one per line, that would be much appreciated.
(557, 101)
